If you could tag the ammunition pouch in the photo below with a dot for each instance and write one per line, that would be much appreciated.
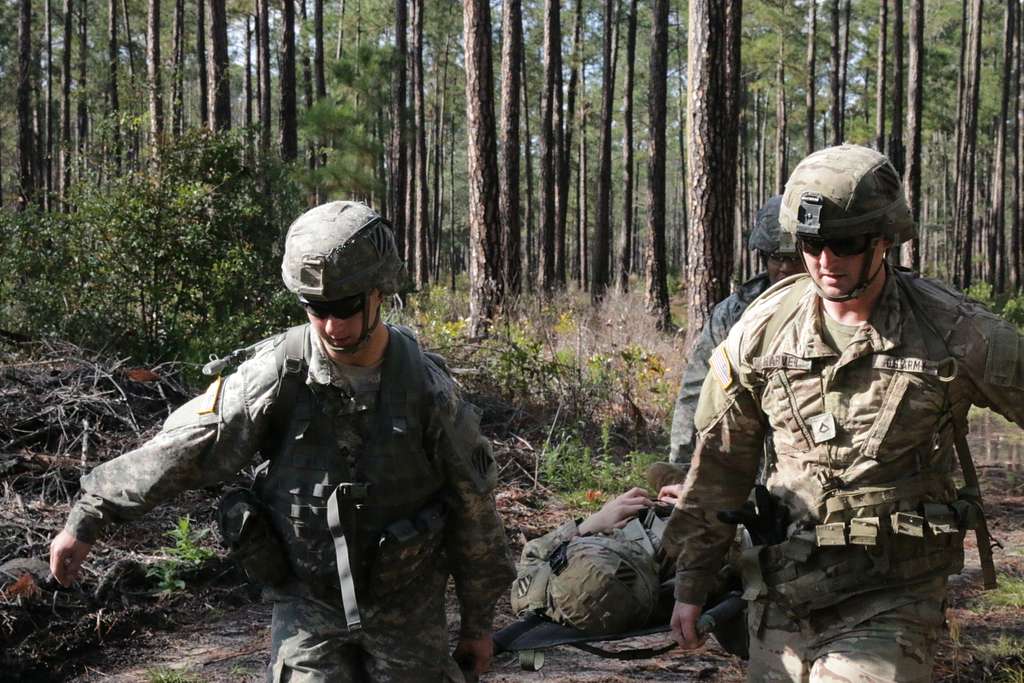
(407, 550)
(252, 543)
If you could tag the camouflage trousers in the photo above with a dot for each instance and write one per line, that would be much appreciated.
(895, 645)
(310, 643)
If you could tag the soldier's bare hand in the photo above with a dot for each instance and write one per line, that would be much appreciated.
(474, 654)
(684, 626)
(66, 556)
(670, 494)
(617, 512)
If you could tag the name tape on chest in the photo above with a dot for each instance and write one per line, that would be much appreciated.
(781, 361)
(721, 367)
(944, 369)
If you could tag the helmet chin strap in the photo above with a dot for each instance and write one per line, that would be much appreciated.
(866, 278)
(367, 329)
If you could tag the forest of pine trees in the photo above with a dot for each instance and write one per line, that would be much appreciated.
(536, 145)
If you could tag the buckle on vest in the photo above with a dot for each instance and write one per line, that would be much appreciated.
(353, 491)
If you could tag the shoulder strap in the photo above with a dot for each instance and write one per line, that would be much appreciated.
(783, 311)
(291, 362)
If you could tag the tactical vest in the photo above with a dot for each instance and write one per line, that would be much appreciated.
(386, 485)
(870, 537)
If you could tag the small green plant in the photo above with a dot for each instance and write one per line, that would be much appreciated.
(186, 554)
(586, 478)
(982, 293)
(171, 676)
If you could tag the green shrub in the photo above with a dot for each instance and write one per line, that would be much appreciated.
(185, 555)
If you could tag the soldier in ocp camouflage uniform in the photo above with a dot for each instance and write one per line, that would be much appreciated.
(377, 473)
(863, 376)
(781, 261)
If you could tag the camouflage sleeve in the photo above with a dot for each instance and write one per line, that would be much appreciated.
(730, 435)
(475, 543)
(204, 441)
(990, 353)
(714, 333)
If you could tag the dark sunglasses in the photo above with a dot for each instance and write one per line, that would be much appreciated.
(339, 308)
(783, 258)
(845, 246)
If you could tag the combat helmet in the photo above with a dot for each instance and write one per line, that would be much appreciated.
(342, 250)
(767, 237)
(609, 585)
(846, 192)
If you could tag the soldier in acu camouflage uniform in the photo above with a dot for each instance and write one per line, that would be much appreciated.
(781, 261)
(863, 376)
(376, 473)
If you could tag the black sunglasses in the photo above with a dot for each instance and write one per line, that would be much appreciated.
(339, 308)
(844, 246)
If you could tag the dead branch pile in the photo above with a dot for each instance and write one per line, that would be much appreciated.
(61, 405)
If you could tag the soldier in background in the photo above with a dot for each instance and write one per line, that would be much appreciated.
(781, 260)
(375, 473)
(862, 375)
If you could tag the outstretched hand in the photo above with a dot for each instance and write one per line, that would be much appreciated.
(617, 512)
(66, 556)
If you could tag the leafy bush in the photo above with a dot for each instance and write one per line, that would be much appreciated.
(178, 260)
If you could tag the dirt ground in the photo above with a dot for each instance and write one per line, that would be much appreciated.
(116, 626)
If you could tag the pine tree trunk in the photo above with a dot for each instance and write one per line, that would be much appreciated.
(511, 87)
(48, 148)
(549, 149)
(998, 216)
(781, 123)
(397, 149)
(82, 87)
(1018, 174)
(531, 247)
(628, 175)
(153, 73)
(26, 153)
(600, 276)
(965, 174)
(289, 114)
(319, 78)
(247, 94)
(220, 81)
(656, 301)
(912, 177)
(263, 49)
(65, 106)
(714, 59)
(422, 199)
(484, 225)
(834, 76)
(177, 68)
(896, 148)
(844, 63)
(811, 84)
(880, 94)
(202, 62)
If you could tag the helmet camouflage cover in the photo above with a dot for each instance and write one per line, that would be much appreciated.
(766, 237)
(341, 249)
(846, 191)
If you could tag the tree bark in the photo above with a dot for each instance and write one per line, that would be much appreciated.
(319, 78)
(531, 250)
(48, 148)
(628, 175)
(834, 76)
(153, 72)
(26, 152)
(1018, 175)
(811, 84)
(998, 215)
(289, 115)
(247, 94)
(82, 87)
(263, 48)
(781, 123)
(965, 175)
(484, 226)
(656, 301)
(714, 60)
(844, 64)
(912, 175)
(563, 134)
(549, 148)
(178, 69)
(896, 148)
(202, 61)
(511, 87)
(600, 276)
(220, 81)
(397, 151)
(880, 94)
(421, 272)
(65, 105)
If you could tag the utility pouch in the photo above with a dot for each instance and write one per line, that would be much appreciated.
(251, 540)
(406, 549)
